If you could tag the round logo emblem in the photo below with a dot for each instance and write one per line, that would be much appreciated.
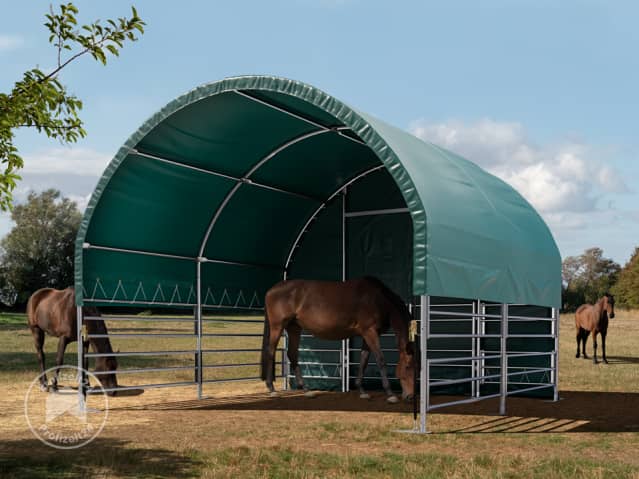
(63, 418)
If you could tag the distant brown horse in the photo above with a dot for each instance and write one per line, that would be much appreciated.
(594, 318)
(338, 310)
(54, 311)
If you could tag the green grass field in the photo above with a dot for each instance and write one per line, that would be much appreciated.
(593, 432)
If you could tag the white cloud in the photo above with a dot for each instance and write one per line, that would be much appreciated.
(10, 42)
(564, 182)
(81, 200)
(73, 161)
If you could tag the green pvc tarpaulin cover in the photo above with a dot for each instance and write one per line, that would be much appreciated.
(230, 174)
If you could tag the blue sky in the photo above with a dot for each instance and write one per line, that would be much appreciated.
(541, 93)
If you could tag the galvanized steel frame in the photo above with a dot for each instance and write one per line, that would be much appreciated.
(478, 357)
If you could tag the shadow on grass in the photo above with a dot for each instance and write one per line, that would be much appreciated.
(621, 360)
(577, 411)
(104, 457)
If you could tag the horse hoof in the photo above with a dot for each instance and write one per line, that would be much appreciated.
(274, 394)
(392, 399)
(364, 396)
(605, 361)
(44, 388)
(310, 394)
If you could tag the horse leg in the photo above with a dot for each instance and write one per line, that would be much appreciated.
(294, 333)
(372, 339)
(578, 340)
(59, 360)
(603, 347)
(584, 339)
(364, 356)
(594, 347)
(274, 338)
(38, 339)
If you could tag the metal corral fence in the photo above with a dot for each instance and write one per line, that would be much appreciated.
(194, 350)
(477, 349)
(473, 348)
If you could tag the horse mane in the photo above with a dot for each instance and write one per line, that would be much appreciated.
(393, 297)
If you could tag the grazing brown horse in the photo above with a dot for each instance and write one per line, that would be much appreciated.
(594, 318)
(338, 310)
(54, 311)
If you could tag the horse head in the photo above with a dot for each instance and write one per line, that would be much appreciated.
(405, 371)
(609, 305)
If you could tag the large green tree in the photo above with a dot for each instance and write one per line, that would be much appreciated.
(39, 251)
(587, 277)
(41, 101)
(627, 288)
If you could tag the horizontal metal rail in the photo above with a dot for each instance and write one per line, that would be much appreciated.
(515, 383)
(223, 366)
(232, 335)
(142, 335)
(468, 358)
(230, 380)
(224, 320)
(462, 336)
(317, 363)
(529, 355)
(140, 353)
(241, 350)
(449, 320)
(431, 407)
(533, 388)
(143, 370)
(452, 365)
(135, 318)
(448, 382)
(530, 336)
(467, 315)
(529, 371)
(142, 386)
(165, 303)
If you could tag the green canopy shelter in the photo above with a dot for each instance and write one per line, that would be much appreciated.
(243, 182)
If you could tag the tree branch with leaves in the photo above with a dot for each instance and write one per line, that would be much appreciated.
(40, 101)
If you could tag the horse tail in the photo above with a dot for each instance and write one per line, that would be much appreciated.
(265, 341)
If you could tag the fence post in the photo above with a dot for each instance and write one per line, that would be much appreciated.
(198, 328)
(424, 388)
(503, 384)
(555, 356)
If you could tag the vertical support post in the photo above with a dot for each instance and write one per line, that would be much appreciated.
(474, 386)
(345, 342)
(482, 331)
(424, 387)
(503, 384)
(82, 389)
(555, 356)
(198, 328)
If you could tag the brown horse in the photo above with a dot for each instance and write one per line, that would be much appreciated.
(594, 318)
(338, 310)
(54, 311)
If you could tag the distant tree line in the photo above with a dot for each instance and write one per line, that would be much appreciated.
(39, 251)
(587, 277)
